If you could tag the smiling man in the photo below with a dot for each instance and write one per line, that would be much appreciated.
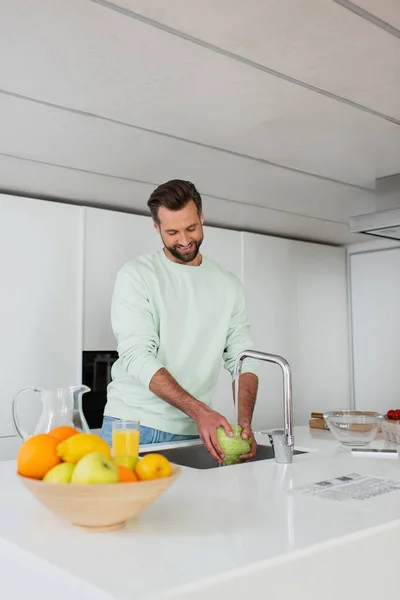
(176, 315)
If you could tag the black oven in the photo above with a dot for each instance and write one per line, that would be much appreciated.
(96, 374)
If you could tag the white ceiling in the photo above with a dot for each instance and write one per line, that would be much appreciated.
(282, 112)
(386, 10)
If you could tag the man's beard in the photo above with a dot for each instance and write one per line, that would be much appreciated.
(186, 257)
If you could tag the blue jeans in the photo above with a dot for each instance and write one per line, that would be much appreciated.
(148, 435)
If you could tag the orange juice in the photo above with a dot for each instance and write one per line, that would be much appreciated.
(125, 441)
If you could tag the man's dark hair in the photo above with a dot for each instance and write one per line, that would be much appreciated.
(173, 195)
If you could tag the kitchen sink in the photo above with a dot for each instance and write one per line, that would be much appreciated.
(197, 457)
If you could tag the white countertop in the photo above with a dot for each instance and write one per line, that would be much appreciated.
(209, 522)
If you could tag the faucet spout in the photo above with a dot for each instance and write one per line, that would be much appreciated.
(287, 393)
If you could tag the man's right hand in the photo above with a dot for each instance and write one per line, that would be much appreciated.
(208, 421)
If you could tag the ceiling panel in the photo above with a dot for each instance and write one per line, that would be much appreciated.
(45, 181)
(318, 42)
(386, 10)
(46, 134)
(123, 69)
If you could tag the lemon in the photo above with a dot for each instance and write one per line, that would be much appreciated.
(153, 466)
(77, 446)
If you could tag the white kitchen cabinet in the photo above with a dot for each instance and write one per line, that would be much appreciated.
(41, 252)
(58, 266)
(9, 446)
(375, 293)
(111, 239)
(320, 352)
(296, 296)
(266, 272)
(225, 247)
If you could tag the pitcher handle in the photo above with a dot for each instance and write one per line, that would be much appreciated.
(21, 432)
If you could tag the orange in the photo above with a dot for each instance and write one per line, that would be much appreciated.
(126, 475)
(63, 432)
(37, 455)
(153, 466)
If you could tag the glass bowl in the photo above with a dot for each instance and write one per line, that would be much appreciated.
(353, 427)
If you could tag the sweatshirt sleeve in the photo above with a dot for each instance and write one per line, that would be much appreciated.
(133, 325)
(238, 338)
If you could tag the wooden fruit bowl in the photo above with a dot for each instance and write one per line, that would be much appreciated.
(99, 507)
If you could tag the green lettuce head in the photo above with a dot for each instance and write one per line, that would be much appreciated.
(233, 447)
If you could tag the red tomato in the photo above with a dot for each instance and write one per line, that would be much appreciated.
(396, 415)
(390, 414)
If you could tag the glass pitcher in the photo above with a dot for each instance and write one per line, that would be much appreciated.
(61, 406)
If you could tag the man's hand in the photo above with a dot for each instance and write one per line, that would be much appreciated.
(248, 433)
(208, 421)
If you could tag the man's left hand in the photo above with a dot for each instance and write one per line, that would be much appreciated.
(246, 434)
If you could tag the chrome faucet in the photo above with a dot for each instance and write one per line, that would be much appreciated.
(282, 440)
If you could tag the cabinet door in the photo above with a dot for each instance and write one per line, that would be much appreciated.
(225, 247)
(41, 249)
(375, 293)
(266, 272)
(111, 239)
(297, 298)
(320, 351)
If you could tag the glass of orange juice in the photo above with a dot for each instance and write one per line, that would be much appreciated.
(125, 438)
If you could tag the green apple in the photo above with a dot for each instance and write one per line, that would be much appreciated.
(125, 460)
(61, 473)
(95, 468)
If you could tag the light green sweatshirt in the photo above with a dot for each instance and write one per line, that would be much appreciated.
(184, 318)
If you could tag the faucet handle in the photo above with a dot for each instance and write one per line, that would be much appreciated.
(283, 452)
